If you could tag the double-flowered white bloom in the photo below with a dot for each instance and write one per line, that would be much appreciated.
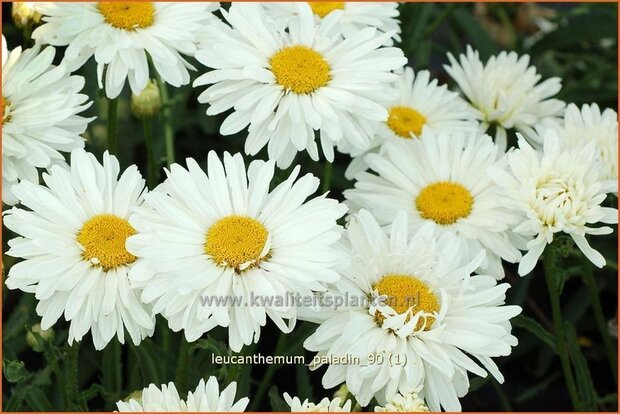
(324, 406)
(73, 239)
(287, 86)
(408, 403)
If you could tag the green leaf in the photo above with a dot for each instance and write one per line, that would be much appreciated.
(535, 328)
(585, 386)
(474, 32)
(15, 371)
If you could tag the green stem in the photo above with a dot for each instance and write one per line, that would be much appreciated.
(112, 125)
(112, 371)
(150, 155)
(600, 319)
(71, 378)
(167, 120)
(327, 177)
(549, 264)
(182, 370)
(271, 370)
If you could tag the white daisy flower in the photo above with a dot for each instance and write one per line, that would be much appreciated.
(506, 92)
(421, 103)
(409, 403)
(40, 107)
(73, 242)
(442, 179)
(206, 398)
(124, 36)
(324, 406)
(224, 235)
(288, 84)
(355, 15)
(424, 320)
(557, 190)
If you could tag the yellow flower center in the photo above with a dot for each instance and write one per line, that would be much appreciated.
(6, 110)
(300, 69)
(103, 238)
(323, 8)
(128, 15)
(444, 202)
(405, 121)
(236, 242)
(404, 292)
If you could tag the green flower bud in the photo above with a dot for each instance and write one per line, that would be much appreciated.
(37, 337)
(148, 103)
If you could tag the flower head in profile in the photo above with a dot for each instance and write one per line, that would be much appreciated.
(434, 322)
(221, 249)
(288, 86)
(505, 91)
(324, 406)
(553, 191)
(41, 104)
(124, 36)
(72, 234)
(408, 403)
(205, 398)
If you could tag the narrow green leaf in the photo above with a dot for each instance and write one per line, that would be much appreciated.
(531, 325)
(585, 386)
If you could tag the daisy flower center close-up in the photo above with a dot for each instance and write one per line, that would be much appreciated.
(404, 292)
(103, 239)
(128, 15)
(323, 8)
(444, 202)
(405, 121)
(554, 196)
(300, 69)
(236, 242)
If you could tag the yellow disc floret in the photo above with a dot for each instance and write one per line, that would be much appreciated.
(300, 69)
(236, 242)
(405, 121)
(103, 239)
(404, 292)
(323, 8)
(128, 15)
(6, 110)
(444, 202)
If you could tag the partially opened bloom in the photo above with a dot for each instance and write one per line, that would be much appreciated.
(421, 103)
(324, 406)
(285, 86)
(205, 398)
(221, 249)
(124, 36)
(427, 318)
(72, 238)
(355, 15)
(443, 179)
(557, 190)
(505, 91)
(41, 104)
(408, 403)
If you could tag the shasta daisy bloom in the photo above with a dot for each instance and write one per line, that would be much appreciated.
(73, 241)
(124, 36)
(506, 92)
(556, 190)
(426, 320)
(41, 104)
(408, 403)
(421, 103)
(287, 85)
(205, 398)
(442, 179)
(324, 406)
(224, 235)
(355, 16)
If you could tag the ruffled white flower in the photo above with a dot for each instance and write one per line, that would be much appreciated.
(40, 107)
(442, 179)
(205, 398)
(421, 103)
(287, 85)
(73, 241)
(428, 319)
(506, 92)
(355, 15)
(221, 249)
(556, 190)
(124, 36)
(409, 403)
(325, 406)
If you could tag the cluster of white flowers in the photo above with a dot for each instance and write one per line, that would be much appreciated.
(437, 205)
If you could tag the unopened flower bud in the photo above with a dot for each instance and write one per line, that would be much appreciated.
(342, 392)
(25, 14)
(148, 103)
(37, 337)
